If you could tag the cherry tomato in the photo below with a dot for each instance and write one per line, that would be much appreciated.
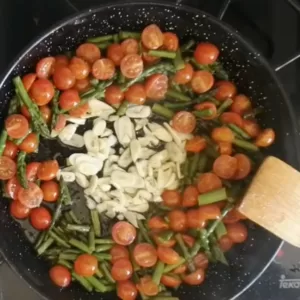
(200, 261)
(89, 52)
(237, 232)
(222, 134)
(160, 242)
(241, 104)
(63, 78)
(233, 216)
(132, 66)
(184, 75)
(251, 127)
(40, 218)
(180, 270)
(10, 150)
(184, 122)
(25, 112)
(69, 99)
(114, 95)
(79, 67)
(157, 223)
(145, 255)
(28, 80)
(225, 243)
(170, 281)
(121, 269)
(196, 144)
(225, 148)
(232, 118)
(207, 105)
(17, 126)
(123, 233)
(195, 219)
(103, 69)
(147, 286)
(136, 94)
(86, 265)
(206, 53)
(8, 168)
(171, 198)
(208, 182)
(42, 91)
(18, 210)
(190, 196)
(178, 221)
(225, 166)
(30, 144)
(82, 85)
(115, 53)
(80, 110)
(60, 275)
(152, 37)
(12, 188)
(171, 41)
(202, 81)
(195, 278)
(60, 61)
(50, 190)
(31, 170)
(149, 59)
(130, 46)
(60, 123)
(188, 240)
(46, 113)
(226, 89)
(48, 170)
(210, 212)
(117, 252)
(44, 67)
(265, 138)
(156, 86)
(243, 166)
(126, 290)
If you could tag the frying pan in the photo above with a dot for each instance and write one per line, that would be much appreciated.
(248, 70)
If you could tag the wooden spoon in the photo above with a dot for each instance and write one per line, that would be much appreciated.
(273, 200)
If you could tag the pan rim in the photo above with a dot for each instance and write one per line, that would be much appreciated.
(163, 4)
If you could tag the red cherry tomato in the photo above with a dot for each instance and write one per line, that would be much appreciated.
(25, 112)
(184, 122)
(44, 67)
(157, 223)
(208, 182)
(195, 278)
(196, 144)
(184, 75)
(18, 210)
(251, 127)
(86, 265)
(233, 216)
(170, 280)
(226, 89)
(79, 111)
(123, 233)
(31, 197)
(50, 190)
(237, 232)
(171, 198)
(63, 78)
(225, 166)
(147, 286)
(10, 150)
(8, 168)
(28, 80)
(122, 269)
(60, 123)
(178, 221)
(265, 138)
(243, 166)
(195, 219)
(48, 170)
(180, 270)
(152, 37)
(241, 104)
(40, 218)
(149, 59)
(79, 67)
(115, 53)
(114, 95)
(156, 87)
(202, 81)
(201, 261)
(225, 243)
(17, 126)
(225, 148)
(207, 106)
(69, 99)
(222, 134)
(89, 52)
(60, 275)
(126, 290)
(42, 91)
(130, 46)
(30, 144)
(132, 66)
(232, 118)
(31, 171)
(160, 242)
(190, 196)
(188, 240)
(82, 85)
(206, 53)
(209, 212)
(171, 41)
(60, 61)
(117, 252)
(136, 94)
(145, 255)
(46, 113)
(103, 69)
(13, 187)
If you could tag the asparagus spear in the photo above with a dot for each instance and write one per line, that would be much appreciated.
(3, 139)
(22, 170)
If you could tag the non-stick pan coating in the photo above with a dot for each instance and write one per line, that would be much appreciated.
(247, 69)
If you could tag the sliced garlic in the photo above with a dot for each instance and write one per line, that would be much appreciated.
(91, 141)
(138, 111)
(135, 150)
(81, 180)
(99, 127)
(67, 133)
(76, 141)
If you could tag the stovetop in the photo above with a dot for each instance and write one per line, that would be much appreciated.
(272, 26)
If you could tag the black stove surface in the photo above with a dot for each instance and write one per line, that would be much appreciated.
(272, 26)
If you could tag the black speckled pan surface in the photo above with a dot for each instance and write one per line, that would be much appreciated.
(247, 69)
